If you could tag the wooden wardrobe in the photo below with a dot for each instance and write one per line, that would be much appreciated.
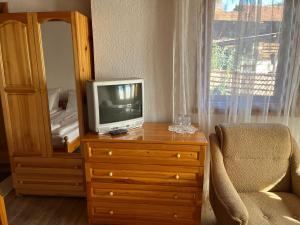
(4, 159)
(3, 216)
(36, 168)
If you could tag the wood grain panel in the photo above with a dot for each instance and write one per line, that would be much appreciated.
(54, 16)
(53, 162)
(81, 35)
(26, 124)
(138, 145)
(20, 96)
(16, 59)
(149, 193)
(42, 83)
(3, 217)
(145, 153)
(151, 133)
(146, 174)
(48, 176)
(145, 212)
(136, 221)
(22, 17)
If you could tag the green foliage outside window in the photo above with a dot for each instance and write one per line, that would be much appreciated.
(222, 60)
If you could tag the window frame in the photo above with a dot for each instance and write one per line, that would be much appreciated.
(219, 102)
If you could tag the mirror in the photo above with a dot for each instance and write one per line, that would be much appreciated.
(60, 77)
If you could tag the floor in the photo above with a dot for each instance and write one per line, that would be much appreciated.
(28, 210)
(31, 210)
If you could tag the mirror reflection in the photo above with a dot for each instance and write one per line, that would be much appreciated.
(60, 76)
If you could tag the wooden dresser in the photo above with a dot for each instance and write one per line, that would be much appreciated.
(148, 176)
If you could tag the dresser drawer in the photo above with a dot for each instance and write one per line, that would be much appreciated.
(45, 162)
(145, 212)
(145, 193)
(146, 174)
(191, 155)
(48, 176)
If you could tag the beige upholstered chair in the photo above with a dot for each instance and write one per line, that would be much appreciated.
(255, 175)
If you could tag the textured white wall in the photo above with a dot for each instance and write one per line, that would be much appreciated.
(133, 38)
(82, 6)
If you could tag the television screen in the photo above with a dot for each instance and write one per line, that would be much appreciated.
(120, 102)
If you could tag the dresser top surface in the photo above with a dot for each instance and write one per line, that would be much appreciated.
(152, 133)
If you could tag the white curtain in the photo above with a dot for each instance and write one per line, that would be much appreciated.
(191, 58)
(237, 61)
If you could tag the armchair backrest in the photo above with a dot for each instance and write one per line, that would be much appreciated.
(256, 156)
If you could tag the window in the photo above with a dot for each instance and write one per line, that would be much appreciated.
(246, 46)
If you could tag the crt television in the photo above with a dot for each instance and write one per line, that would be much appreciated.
(117, 104)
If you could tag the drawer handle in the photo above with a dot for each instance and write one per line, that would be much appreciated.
(110, 174)
(111, 193)
(178, 155)
(111, 212)
(110, 153)
(175, 196)
(177, 176)
(175, 215)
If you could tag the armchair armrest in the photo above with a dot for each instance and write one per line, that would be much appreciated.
(225, 200)
(295, 169)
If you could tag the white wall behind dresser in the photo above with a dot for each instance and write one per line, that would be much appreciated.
(48, 5)
(133, 38)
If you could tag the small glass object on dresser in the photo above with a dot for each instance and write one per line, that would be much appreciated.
(183, 125)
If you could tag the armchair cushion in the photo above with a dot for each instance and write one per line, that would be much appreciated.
(276, 208)
(225, 200)
(256, 156)
(295, 170)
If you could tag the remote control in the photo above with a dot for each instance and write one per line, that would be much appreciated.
(117, 132)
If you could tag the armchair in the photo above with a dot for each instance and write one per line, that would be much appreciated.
(255, 175)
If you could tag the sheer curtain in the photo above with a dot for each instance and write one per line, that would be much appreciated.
(191, 58)
(237, 61)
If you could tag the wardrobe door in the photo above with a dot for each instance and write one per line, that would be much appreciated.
(20, 94)
(3, 145)
(4, 159)
(17, 50)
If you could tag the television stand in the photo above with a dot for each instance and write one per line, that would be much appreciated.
(149, 176)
